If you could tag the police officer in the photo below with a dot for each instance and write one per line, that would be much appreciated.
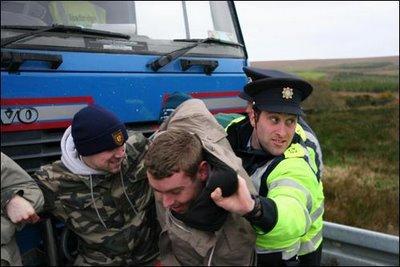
(284, 161)
(302, 127)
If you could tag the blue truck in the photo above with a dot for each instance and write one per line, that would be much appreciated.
(127, 56)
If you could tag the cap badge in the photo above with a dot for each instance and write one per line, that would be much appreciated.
(249, 80)
(118, 138)
(287, 93)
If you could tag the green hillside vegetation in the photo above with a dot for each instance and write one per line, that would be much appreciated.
(312, 75)
(354, 110)
(361, 156)
(356, 75)
(309, 64)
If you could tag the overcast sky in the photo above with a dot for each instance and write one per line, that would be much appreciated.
(319, 29)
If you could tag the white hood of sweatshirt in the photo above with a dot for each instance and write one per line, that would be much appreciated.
(71, 158)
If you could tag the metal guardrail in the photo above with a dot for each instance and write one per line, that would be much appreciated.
(351, 246)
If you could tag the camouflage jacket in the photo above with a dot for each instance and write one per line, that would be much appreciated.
(14, 180)
(116, 222)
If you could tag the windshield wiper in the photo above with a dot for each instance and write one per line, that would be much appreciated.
(57, 28)
(171, 56)
(208, 40)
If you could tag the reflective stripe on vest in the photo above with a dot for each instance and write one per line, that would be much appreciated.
(312, 142)
(303, 153)
(318, 212)
(287, 253)
(288, 182)
(299, 248)
(294, 184)
(257, 176)
(311, 245)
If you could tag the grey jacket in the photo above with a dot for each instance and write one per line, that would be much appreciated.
(14, 180)
(234, 242)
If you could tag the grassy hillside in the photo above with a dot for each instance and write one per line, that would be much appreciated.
(309, 64)
(354, 110)
(361, 156)
(358, 75)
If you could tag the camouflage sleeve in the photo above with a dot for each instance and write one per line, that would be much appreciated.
(138, 142)
(14, 180)
(49, 186)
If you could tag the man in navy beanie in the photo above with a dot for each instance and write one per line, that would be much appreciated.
(99, 137)
(100, 191)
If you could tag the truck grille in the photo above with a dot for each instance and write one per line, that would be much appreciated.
(32, 149)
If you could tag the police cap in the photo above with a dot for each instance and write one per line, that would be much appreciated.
(255, 74)
(277, 91)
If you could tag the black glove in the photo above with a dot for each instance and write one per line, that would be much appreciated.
(222, 176)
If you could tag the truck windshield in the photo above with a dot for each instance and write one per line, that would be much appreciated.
(154, 27)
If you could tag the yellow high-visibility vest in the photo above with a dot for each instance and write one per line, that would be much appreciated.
(298, 194)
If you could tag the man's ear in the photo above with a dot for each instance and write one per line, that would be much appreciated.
(203, 171)
(252, 118)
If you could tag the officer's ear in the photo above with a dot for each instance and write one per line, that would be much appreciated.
(203, 171)
(253, 116)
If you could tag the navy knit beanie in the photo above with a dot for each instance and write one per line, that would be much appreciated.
(95, 129)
